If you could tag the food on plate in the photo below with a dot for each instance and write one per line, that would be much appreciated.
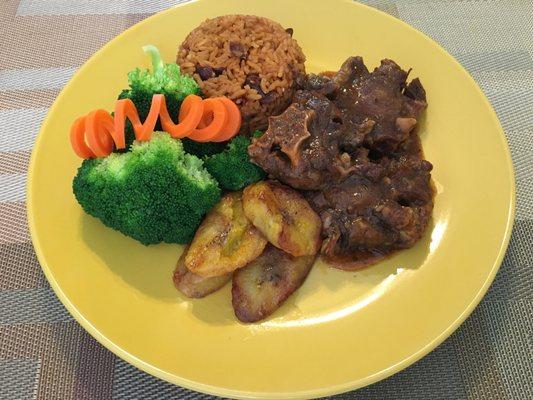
(225, 241)
(202, 149)
(252, 60)
(259, 168)
(382, 96)
(233, 123)
(390, 212)
(284, 217)
(196, 286)
(348, 140)
(232, 167)
(78, 138)
(165, 79)
(262, 286)
(289, 152)
(311, 143)
(95, 134)
(153, 193)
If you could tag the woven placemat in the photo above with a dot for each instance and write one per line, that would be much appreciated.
(45, 354)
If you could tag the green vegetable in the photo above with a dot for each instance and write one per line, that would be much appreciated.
(129, 135)
(202, 149)
(257, 134)
(232, 168)
(164, 79)
(154, 193)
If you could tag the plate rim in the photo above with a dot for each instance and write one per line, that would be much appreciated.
(221, 391)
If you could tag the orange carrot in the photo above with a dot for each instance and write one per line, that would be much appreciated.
(220, 117)
(216, 119)
(234, 121)
(124, 109)
(77, 139)
(189, 117)
(98, 127)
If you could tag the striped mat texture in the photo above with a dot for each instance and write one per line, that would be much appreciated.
(44, 354)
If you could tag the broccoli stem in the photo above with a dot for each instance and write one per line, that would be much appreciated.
(155, 56)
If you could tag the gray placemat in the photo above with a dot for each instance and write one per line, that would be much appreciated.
(44, 354)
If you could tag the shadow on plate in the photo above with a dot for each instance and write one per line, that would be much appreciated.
(147, 269)
(215, 309)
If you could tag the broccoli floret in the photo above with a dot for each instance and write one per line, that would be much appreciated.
(164, 79)
(154, 193)
(203, 149)
(129, 135)
(232, 168)
(257, 134)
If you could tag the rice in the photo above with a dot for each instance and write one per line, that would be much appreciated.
(252, 60)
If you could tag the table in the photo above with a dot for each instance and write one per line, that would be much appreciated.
(45, 354)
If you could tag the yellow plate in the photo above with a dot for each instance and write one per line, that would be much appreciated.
(341, 330)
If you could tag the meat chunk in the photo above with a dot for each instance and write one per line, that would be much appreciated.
(382, 207)
(349, 140)
(279, 150)
(291, 152)
(303, 147)
(318, 83)
(381, 96)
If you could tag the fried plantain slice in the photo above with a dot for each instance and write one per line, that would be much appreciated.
(262, 286)
(225, 241)
(196, 286)
(284, 217)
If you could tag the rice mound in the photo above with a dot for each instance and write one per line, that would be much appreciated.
(252, 60)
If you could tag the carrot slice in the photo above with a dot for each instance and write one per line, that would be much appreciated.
(190, 115)
(220, 117)
(98, 127)
(191, 112)
(124, 108)
(215, 119)
(187, 104)
(185, 107)
(77, 139)
(206, 120)
(234, 121)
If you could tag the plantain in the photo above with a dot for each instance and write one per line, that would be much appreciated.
(284, 217)
(225, 241)
(262, 286)
(195, 286)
